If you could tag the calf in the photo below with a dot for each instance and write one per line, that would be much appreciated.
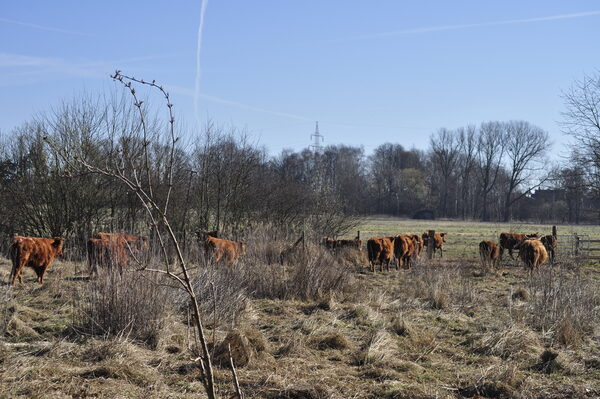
(511, 241)
(438, 241)
(489, 253)
(37, 253)
(533, 253)
(380, 249)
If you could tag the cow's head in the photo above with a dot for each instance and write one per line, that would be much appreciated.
(443, 235)
(58, 245)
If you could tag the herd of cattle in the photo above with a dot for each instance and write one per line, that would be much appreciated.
(404, 248)
(117, 250)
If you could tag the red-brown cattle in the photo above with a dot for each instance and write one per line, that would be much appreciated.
(380, 250)
(404, 250)
(533, 253)
(489, 253)
(511, 241)
(550, 243)
(439, 240)
(419, 243)
(226, 250)
(34, 252)
(108, 250)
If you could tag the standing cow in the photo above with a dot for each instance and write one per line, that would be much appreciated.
(511, 241)
(113, 249)
(37, 253)
(380, 250)
(489, 253)
(438, 242)
(533, 253)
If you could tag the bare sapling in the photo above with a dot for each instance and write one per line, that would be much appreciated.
(128, 162)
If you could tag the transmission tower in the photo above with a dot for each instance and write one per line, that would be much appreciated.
(318, 139)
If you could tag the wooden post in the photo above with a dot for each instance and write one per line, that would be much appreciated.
(576, 245)
(554, 231)
(430, 244)
(358, 234)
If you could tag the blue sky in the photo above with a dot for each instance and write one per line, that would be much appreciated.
(369, 72)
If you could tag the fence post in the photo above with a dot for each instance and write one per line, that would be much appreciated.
(576, 245)
(358, 234)
(430, 244)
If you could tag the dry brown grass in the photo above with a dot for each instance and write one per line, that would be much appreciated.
(374, 336)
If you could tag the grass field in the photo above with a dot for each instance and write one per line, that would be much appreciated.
(440, 330)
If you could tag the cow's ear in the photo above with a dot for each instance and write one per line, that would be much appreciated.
(57, 241)
(442, 234)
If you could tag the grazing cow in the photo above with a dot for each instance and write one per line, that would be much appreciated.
(227, 250)
(533, 253)
(419, 243)
(550, 243)
(439, 240)
(34, 252)
(404, 250)
(511, 241)
(489, 253)
(380, 249)
(113, 249)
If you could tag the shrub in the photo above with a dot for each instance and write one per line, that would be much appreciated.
(130, 306)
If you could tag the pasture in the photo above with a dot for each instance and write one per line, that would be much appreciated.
(439, 330)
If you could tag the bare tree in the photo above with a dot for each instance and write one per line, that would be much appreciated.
(445, 148)
(468, 146)
(581, 120)
(526, 145)
(490, 151)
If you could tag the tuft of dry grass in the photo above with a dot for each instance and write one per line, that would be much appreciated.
(512, 342)
(131, 306)
(521, 294)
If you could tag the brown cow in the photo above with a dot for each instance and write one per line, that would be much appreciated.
(489, 253)
(533, 253)
(419, 243)
(227, 250)
(380, 249)
(404, 250)
(550, 243)
(511, 241)
(34, 252)
(439, 240)
(113, 249)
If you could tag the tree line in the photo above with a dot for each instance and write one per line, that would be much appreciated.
(219, 180)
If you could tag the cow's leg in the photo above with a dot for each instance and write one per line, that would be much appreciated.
(510, 252)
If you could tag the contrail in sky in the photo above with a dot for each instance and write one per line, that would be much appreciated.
(199, 46)
(41, 27)
(477, 25)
